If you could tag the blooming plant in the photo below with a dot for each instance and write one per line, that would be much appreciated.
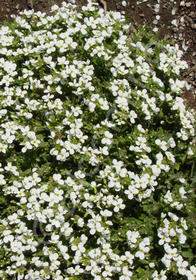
(96, 150)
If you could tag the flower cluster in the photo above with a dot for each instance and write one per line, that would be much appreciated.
(93, 138)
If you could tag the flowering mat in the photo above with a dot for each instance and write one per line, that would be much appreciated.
(174, 20)
(97, 150)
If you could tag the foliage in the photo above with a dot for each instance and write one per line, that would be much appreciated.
(95, 145)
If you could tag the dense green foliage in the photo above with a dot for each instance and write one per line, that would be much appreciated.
(97, 150)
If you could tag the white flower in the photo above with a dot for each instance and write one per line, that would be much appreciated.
(8, 237)
(17, 247)
(124, 3)
(183, 223)
(106, 213)
(161, 144)
(57, 178)
(80, 222)
(132, 116)
(118, 205)
(191, 273)
(54, 258)
(79, 248)
(3, 148)
(172, 253)
(182, 266)
(140, 255)
(182, 192)
(75, 271)
(107, 138)
(174, 22)
(170, 156)
(164, 236)
(66, 229)
(132, 236)
(131, 191)
(177, 85)
(13, 219)
(32, 245)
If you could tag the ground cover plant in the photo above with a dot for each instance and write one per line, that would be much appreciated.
(97, 150)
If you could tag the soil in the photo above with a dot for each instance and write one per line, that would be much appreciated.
(175, 20)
